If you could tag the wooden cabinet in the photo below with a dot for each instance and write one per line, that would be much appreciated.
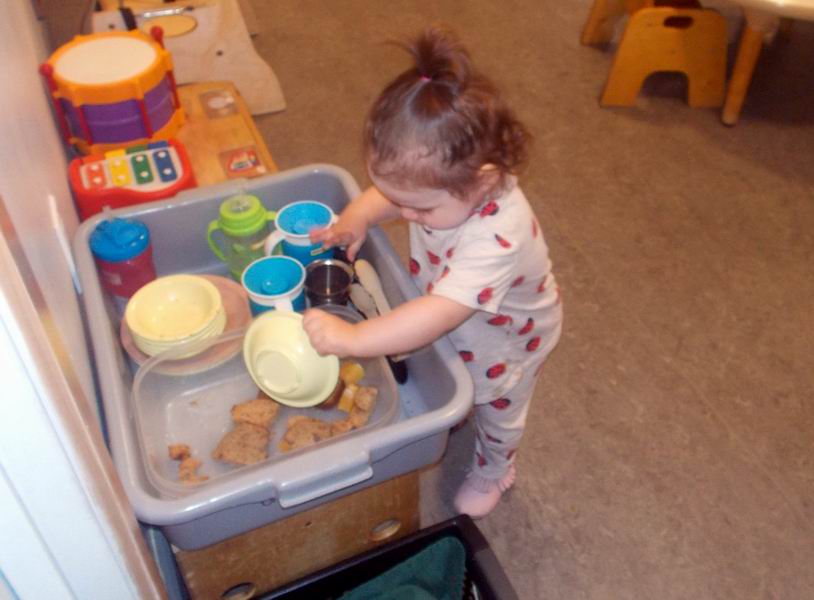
(268, 557)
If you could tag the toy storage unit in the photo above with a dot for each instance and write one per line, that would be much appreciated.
(437, 395)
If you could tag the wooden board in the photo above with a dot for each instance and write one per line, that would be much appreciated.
(268, 557)
(220, 132)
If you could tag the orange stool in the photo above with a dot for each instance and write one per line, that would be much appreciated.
(665, 38)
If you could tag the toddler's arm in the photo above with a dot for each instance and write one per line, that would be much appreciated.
(407, 327)
(366, 210)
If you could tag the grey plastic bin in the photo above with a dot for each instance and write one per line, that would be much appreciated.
(437, 395)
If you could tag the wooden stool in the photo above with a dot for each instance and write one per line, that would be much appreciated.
(688, 40)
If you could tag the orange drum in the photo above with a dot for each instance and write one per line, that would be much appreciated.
(113, 90)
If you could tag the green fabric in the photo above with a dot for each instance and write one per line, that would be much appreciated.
(434, 573)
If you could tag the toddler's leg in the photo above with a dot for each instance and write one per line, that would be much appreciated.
(499, 427)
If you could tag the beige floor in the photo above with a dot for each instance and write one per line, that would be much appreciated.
(669, 453)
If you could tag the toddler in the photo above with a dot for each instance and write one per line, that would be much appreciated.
(442, 150)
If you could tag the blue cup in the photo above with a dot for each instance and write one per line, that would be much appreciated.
(275, 283)
(292, 225)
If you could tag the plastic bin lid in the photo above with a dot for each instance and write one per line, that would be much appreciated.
(192, 406)
(119, 239)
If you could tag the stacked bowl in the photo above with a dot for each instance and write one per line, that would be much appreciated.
(175, 310)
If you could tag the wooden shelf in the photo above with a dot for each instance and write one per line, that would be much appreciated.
(219, 135)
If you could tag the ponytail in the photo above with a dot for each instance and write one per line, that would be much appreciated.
(437, 124)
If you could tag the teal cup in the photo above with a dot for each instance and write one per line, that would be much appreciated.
(275, 283)
(292, 226)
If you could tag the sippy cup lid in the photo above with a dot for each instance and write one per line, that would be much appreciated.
(117, 239)
(242, 215)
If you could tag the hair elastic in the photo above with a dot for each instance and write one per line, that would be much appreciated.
(425, 78)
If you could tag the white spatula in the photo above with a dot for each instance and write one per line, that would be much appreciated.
(363, 301)
(370, 281)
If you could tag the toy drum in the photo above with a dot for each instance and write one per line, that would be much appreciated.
(113, 90)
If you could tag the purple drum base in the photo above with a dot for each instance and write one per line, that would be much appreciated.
(120, 122)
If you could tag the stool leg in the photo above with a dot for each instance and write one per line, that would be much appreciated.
(624, 82)
(628, 71)
(599, 26)
(749, 48)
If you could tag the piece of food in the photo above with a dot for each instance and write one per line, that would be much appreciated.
(188, 466)
(346, 400)
(351, 372)
(303, 431)
(365, 398)
(178, 451)
(188, 471)
(363, 402)
(340, 427)
(358, 417)
(260, 412)
(246, 444)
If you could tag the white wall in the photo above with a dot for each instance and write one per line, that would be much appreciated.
(33, 182)
(66, 528)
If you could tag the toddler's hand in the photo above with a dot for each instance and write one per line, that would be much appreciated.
(346, 232)
(328, 333)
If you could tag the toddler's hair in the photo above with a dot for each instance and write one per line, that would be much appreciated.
(436, 124)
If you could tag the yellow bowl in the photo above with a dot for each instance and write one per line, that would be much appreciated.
(283, 364)
(173, 309)
(152, 348)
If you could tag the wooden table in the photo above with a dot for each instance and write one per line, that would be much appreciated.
(219, 135)
(762, 19)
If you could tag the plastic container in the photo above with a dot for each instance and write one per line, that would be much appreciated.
(123, 254)
(194, 410)
(437, 395)
(484, 577)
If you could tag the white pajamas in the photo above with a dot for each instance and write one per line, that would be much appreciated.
(497, 263)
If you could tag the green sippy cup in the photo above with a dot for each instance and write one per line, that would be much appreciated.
(243, 221)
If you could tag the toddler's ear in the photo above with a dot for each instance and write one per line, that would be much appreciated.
(489, 176)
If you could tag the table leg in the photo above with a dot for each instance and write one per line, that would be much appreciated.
(759, 28)
(749, 48)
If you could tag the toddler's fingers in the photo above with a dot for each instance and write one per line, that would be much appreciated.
(320, 235)
(353, 249)
(311, 318)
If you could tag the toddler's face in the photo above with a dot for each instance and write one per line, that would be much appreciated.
(436, 209)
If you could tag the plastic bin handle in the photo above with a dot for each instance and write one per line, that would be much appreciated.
(344, 470)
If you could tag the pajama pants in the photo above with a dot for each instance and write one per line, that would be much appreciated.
(500, 423)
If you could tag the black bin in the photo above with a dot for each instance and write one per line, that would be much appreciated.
(484, 578)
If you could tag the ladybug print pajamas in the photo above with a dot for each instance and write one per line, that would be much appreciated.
(496, 262)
